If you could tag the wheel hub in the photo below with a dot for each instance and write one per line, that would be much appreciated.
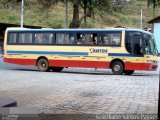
(116, 67)
(43, 65)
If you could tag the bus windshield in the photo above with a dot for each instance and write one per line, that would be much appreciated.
(150, 45)
(139, 43)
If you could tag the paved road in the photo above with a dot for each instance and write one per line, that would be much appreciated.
(78, 90)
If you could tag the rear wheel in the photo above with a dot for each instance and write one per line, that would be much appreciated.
(128, 72)
(117, 68)
(43, 65)
(56, 69)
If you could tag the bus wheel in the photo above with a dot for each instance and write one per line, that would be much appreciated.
(117, 68)
(128, 72)
(43, 65)
(56, 69)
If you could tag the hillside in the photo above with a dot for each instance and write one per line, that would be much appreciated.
(54, 17)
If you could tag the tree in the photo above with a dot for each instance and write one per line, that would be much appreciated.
(89, 6)
(154, 4)
(75, 21)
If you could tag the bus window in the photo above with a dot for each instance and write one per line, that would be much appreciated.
(133, 43)
(39, 38)
(59, 38)
(116, 39)
(28, 38)
(48, 38)
(110, 39)
(72, 38)
(21, 38)
(95, 38)
(105, 39)
(25, 38)
(87, 39)
(150, 46)
(12, 38)
(65, 38)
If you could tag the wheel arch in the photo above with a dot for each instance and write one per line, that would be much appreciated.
(41, 57)
(116, 59)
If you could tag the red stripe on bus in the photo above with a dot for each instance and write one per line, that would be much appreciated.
(78, 63)
(20, 61)
(85, 64)
(140, 66)
(62, 63)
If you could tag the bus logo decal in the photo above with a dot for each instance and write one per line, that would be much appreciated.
(93, 50)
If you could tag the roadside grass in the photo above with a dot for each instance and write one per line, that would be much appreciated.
(54, 16)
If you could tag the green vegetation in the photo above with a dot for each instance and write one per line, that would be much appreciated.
(53, 16)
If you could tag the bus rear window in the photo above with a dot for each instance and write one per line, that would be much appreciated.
(12, 38)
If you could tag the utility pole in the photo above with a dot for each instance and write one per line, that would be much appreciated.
(66, 14)
(22, 10)
(141, 24)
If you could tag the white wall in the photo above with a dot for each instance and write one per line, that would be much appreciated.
(157, 35)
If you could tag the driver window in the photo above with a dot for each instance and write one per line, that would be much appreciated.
(136, 44)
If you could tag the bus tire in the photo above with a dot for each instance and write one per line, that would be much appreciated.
(43, 65)
(128, 72)
(117, 68)
(56, 69)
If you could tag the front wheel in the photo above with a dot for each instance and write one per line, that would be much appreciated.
(128, 72)
(117, 68)
(43, 65)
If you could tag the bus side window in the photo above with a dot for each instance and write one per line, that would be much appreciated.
(51, 38)
(94, 39)
(59, 38)
(12, 38)
(28, 38)
(21, 38)
(48, 38)
(105, 40)
(25, 38)
(72, 38)
(65, 38)
(39, 38)
(79, 38)
(115, 39)
(69, 38)
(87, 38)
(111, 39)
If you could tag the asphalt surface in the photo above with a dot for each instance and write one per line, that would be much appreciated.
(80, 90)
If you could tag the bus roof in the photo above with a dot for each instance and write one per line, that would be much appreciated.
(78, 30)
